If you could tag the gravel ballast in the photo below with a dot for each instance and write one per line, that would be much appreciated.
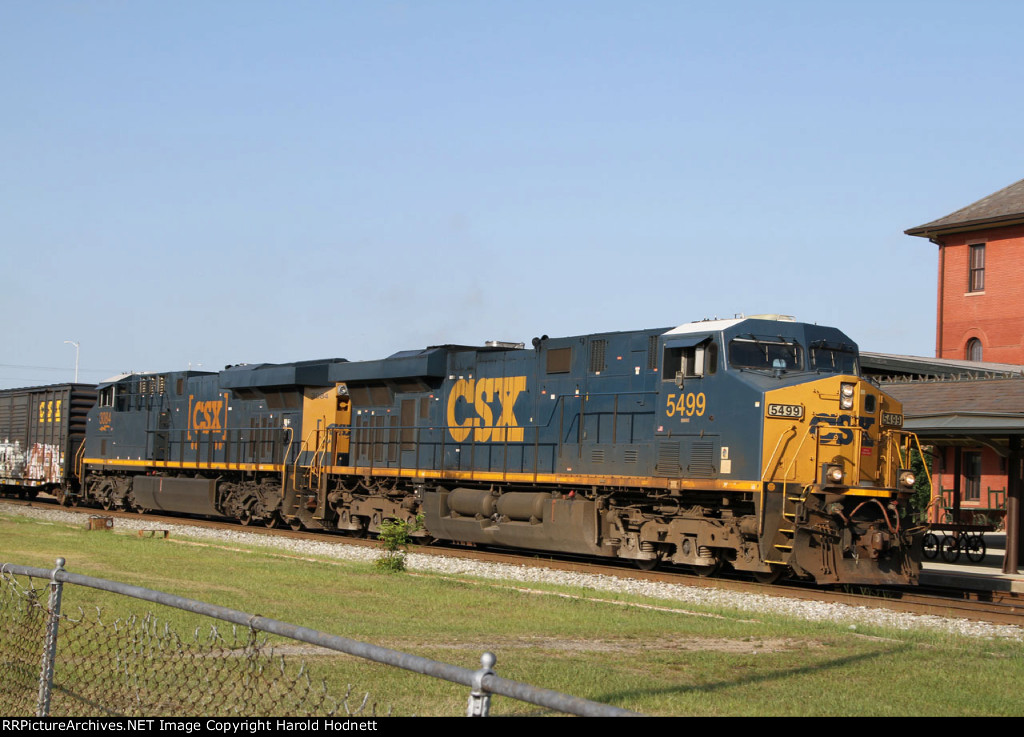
(853, 616)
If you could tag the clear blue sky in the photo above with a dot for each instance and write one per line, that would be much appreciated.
(244, 181)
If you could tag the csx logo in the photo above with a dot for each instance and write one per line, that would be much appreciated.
(836, 429)
(46, 411)
(478, 396)
(208, 415)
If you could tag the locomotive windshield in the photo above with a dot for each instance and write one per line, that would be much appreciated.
(770, 354)
(834, 358)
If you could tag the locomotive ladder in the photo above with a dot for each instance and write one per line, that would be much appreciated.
(786, 533)
(316, 463)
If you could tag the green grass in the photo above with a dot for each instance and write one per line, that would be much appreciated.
(685, 660)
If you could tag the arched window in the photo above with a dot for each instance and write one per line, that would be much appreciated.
(974, 350)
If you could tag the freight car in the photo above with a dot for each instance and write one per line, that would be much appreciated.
(41, 429)
(753, 443)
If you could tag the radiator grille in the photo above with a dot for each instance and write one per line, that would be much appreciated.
(652, 353)
(702, 456)
(668, 460)
(598, 348)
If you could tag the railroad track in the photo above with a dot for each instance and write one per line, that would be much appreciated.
(977, 605)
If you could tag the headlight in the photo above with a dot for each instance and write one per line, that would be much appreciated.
(834, 474)
(907, 479)
(846, 392)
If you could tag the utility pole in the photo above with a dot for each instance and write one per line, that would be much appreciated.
(76, 357)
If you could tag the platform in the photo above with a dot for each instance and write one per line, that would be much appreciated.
(986, 574)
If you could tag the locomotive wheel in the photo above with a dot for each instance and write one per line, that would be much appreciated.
(245, 518)
(974, 548)
(772, 576)
(646, 565)
(930, 546)
(295, 523)
(708, 570)
(364, 528)
(273, 521)
(950, 549)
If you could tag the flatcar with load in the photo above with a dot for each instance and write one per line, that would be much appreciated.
(749, 443)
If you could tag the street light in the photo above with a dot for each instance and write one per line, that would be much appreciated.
(76, 357)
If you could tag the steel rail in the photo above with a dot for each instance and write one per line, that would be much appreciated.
(1002, 608)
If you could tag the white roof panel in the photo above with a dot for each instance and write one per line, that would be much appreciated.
(707, 326)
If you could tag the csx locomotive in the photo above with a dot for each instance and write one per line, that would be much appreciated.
(753, 443)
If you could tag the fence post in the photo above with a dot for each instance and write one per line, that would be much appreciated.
(50, 645)
(479, 700)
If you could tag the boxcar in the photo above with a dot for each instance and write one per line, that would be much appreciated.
(41, 430)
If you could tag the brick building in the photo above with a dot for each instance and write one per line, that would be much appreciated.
(981, 278)
(970, 420)
(971, 408)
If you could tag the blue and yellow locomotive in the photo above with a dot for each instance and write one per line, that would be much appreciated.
(753, 443)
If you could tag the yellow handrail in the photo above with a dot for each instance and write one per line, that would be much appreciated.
(927, 473)
(796, 454)
(284, 461)
(295, 465)
(764, 473)
(79, 464)
(316, 464)
(892, 441)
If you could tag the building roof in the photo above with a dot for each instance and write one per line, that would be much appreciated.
(963, 411)
(953, 401)
(889, 367)
(1005, 207)
(1001, 397)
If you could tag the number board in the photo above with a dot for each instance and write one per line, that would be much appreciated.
(791, 411)
(892, 419)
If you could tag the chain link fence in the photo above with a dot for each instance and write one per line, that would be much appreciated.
(55, 664)
(139, 666)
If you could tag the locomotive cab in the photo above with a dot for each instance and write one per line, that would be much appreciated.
(830, 480)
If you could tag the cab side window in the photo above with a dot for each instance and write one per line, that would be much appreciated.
(106, 398)
(682, 361)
